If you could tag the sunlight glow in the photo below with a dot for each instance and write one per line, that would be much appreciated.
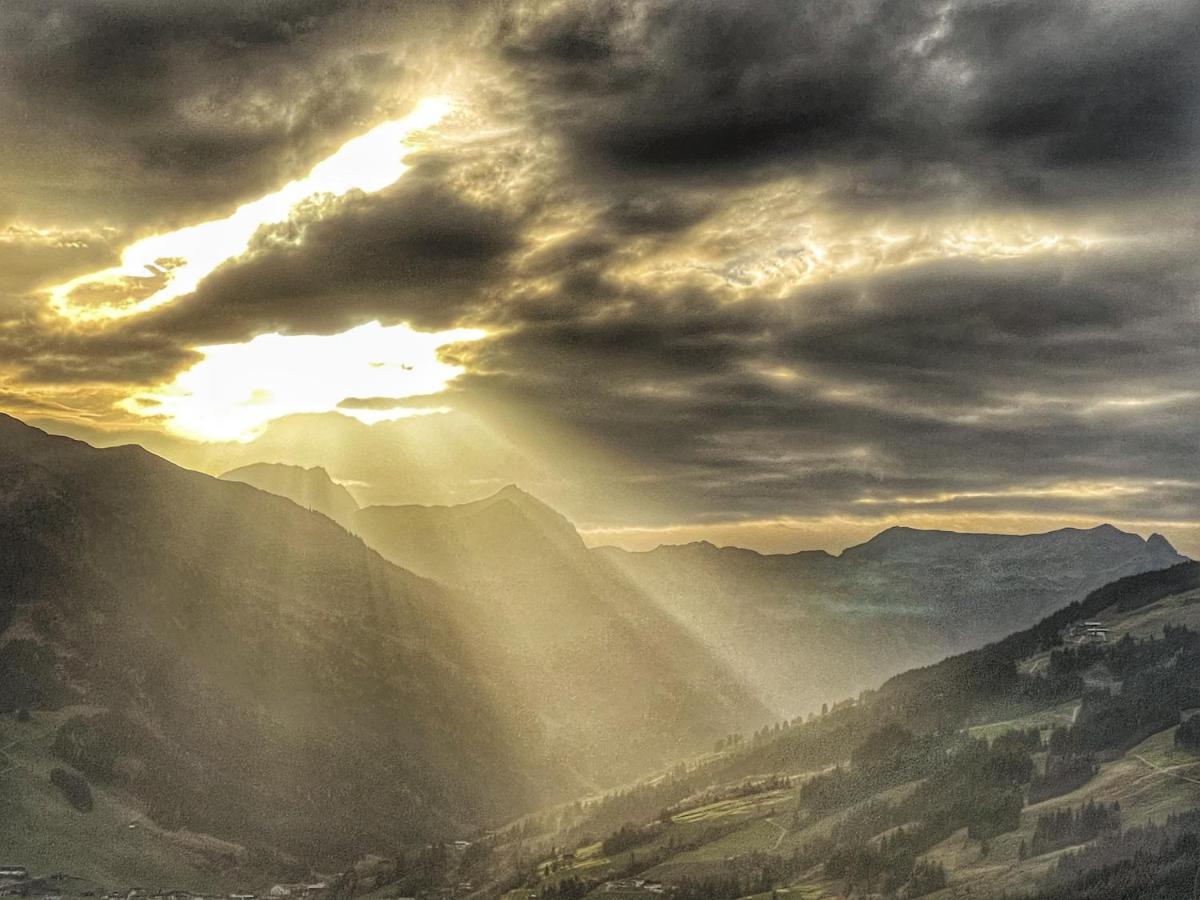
(1078, 490)
(161, 268)
(367, 373)
(817, 258)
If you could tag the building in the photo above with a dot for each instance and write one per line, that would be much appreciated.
(1090, 632)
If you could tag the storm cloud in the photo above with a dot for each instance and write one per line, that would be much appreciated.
(861, 260)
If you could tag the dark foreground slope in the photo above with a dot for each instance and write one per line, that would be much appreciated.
(619, 685)
(806, 627)
(241, 666)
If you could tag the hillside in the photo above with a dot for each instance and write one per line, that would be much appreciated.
(618, 684)
(1038, 766)
(239, 666)
(807, 627)
(311, 488)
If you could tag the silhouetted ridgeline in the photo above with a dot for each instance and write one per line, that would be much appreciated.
(249, 669)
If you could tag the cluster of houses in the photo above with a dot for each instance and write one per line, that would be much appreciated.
(316, 891)
(1086, 633)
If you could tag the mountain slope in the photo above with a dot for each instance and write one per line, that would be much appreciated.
(619, 685)
(246, 667)
(997, 773)
(807, 627)
(472, 542)
(311, 488)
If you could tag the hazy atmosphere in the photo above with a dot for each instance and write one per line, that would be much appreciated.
(762, 273)
(599, 449)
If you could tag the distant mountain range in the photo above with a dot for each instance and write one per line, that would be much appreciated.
(580, 643)
(797, 629)
(807, 627)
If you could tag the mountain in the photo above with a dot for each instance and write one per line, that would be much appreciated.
(472, 542)
(223, 660)
(311, 488)
(807, 627)
(618, 684)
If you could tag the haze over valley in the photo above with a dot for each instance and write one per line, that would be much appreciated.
(607, 449)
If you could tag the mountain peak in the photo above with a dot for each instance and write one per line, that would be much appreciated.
(1106, 528)
(524, 501)
(513, 492)
(1159, 543)
(311, 487)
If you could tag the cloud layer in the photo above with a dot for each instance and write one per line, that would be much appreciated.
(769, 262)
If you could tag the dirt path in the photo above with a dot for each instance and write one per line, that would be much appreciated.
(1168, 770)
(783, 832)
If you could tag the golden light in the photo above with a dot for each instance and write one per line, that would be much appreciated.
(769, 240)
(159, 269)
(237, 389)
(1071, 490)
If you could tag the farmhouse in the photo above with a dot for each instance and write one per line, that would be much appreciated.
(1090, 632)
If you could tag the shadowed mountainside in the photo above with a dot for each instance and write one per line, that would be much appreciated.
(243, 666)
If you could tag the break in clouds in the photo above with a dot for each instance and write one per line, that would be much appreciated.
(735, 261)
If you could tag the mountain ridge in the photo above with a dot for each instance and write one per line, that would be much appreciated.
(241, 660)
(311, 487)
(797, 624)
(1155, 539)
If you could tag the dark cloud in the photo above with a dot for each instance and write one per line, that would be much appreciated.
(29, 259)
(43, 356)
(1032, 99)
(415, 252)
(655, 214)
(639, 164)
(153, 112)
(953, 377)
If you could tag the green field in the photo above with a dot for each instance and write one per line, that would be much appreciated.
(113, 846)
(1043, 720)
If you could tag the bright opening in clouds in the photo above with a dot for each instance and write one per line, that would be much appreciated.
(367, 372)
(161, 268)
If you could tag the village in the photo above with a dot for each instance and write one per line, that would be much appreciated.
(19, 881)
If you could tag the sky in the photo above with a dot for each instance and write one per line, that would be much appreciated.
(776, 273)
